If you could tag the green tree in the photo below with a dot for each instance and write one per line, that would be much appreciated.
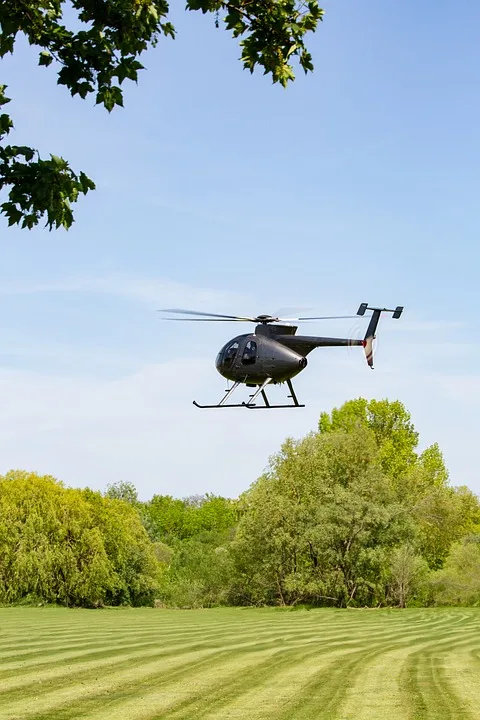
(391, 425)
(420, 481)
(444, 515)
(169, 519)
(50, 547)
(458, 583)
(72, 547)
(166, 518)
(197, 531)
(408, 571)
(98, 49)
(122, 491)
(352, 514)
(319, 527)
(199, 575)
(131, 553)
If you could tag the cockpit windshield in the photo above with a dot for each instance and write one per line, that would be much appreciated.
(227, 355)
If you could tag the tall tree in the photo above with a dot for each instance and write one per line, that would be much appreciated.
(122, 490)
(320, 525)
(390, 423)
(443, 514)
(407, 571)
(458, 583)
(72, 547)
(100, 49)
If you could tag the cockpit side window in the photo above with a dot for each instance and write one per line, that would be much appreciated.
(250, 353)
(230, 353)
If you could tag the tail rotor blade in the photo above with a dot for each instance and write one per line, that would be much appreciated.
(368, 348)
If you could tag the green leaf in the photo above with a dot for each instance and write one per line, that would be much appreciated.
(45, 58)
(6, 124)
(11, 211)
(86, 183)
(58, 161)
(3, 100)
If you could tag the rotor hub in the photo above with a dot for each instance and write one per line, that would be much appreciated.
(264, 319)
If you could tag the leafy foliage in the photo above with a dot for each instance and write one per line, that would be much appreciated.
(122, 491)
(459, 582)
(319, 527)
(170, 519)
(408, 572)
(37, 187)
(199, 574)
(71, 547)
(351, 515)
(102, 52)
(390, 424)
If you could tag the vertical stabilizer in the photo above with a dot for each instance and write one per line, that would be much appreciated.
(372, 327)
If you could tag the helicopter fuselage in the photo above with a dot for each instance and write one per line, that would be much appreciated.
(254, 357)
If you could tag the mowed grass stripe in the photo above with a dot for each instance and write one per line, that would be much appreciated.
(196, 695)
(56, 651)
(462, 671)
(80, 651)
(288, 686)
(324, 693)
(125, 699)
(57, 676)
(87, 652)
(381, 683)
(210, 664)
(44, 670)
(426, 687)
(276, 690)
(49, 673)
(324, 696)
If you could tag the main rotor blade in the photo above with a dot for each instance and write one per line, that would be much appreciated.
(209, 319)
(206, 314)
(324, 317)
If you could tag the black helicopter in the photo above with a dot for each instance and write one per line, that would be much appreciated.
(274, 354)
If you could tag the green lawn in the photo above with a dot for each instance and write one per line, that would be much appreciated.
(60, 664)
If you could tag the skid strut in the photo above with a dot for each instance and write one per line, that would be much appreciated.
(251, 403)
(267, 405)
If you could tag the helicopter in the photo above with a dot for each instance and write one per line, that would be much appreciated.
(273, 353)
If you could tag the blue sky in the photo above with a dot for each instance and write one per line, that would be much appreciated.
(219, 191)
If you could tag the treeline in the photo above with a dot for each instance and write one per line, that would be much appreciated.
(350, 515)
(72, 547)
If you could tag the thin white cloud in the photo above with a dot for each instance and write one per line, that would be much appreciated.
(148, 290)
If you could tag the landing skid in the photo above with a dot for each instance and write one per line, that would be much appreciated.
(218, 405)
(251, 403)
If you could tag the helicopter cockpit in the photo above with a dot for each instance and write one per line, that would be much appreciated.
(230, 352)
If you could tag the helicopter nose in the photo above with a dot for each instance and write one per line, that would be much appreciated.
(303, 363)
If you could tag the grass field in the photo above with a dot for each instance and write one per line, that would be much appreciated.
(58, 664)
